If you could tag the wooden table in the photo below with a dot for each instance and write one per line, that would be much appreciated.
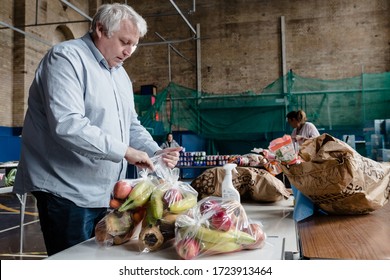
(363, 237)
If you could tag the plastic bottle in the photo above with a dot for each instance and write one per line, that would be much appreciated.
(228, 190)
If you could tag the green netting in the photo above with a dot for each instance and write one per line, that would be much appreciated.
(332, 105)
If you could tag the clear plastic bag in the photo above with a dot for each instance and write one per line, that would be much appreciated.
(216, 226)
(140, 193)
(169, 198)
(116, 227)
(284, 150)
(248, 160)
(129, 197)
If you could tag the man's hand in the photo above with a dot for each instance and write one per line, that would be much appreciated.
(170, 156)
(139, 159)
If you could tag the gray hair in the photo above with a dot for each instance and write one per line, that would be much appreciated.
(111, 15)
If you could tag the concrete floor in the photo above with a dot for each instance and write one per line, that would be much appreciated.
(33, 244)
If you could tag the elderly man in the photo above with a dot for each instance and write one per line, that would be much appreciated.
(81, 129)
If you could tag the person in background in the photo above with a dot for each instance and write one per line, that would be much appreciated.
(169, 142)
(302, 129)
(81, 129)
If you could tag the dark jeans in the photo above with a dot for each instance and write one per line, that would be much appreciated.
(63, 223)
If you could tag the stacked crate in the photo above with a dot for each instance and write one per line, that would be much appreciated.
(377, 137)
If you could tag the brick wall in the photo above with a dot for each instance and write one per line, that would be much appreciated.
(6, 64)
(240, 43)
(22, 53)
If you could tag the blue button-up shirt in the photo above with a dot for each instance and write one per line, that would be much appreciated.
(79, 123)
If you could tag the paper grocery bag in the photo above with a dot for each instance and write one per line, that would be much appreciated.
(252, 183)
(338, 179)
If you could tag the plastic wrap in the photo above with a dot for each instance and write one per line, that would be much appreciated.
(127, 203)
(169, 198)
(10, 178)
(117, 227)
(216, 226)
(140, 193)
(285, 150)
(248, 160)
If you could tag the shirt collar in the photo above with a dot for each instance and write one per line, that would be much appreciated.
(87, 38)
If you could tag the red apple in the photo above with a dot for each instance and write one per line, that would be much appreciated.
(172, 195)
(221, 220)
(209, 205)
(122, 189)
(188, 248)
(257, 232)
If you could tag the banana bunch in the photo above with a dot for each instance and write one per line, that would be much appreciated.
(127, 210)
(166, 202)
(216, 226)
(198, 240)
(217, 236)
(139, 195)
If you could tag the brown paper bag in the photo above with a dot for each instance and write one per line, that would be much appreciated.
(338, 179)
(252, 184)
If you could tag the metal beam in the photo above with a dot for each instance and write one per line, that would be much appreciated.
(198, 62)
(169, 64)
(70, 5)
(184, 18)
(166, 42)
(26, 34)
(48, 23)
(283, 41)
(174, 49)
